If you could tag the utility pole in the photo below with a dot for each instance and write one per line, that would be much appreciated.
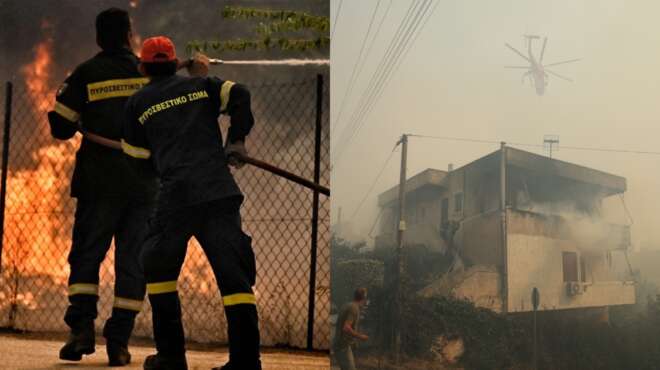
(536, 299)
(503, 224)
(399, 260)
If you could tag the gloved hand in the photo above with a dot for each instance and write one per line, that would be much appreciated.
(233, 151)
(199, 65)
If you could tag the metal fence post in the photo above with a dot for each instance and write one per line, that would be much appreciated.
(315, 213)
(5, 163)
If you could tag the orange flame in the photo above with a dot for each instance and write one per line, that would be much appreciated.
(39, 210)
(38, 244)
(136, 40)
(35, 245)
(37, 76)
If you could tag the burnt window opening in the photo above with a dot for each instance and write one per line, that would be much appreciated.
(570, 266)
(536, 191)
(458, 203)
(444, 211)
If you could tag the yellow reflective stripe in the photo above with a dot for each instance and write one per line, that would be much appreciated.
(66, 112)
(239, 298)
(91, 289)
(115, 88)
(128, 304)
(135, 151)
(164, 287)
(224, 94)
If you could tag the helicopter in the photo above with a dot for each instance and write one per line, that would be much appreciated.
(537, 72)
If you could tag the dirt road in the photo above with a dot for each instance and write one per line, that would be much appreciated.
(24, 352)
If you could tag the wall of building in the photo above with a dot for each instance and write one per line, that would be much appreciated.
(482, 188)
(479, 240)
(534, 259)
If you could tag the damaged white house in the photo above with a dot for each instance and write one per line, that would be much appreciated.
(517, 220)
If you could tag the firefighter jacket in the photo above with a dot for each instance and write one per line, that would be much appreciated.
(93, 98)
(173, 122)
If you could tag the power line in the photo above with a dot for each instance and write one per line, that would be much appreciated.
(610, 150)
(388, 51)
(351, 80)
(380, 80)
(371, 231)
(371, 45)
(334, 25)
(358, 115)
(593, 149)
(396, 69)
(371, 188)
(449, 138)
(413, 32)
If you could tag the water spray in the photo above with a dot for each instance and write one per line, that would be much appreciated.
(264, 62)
(283, 62)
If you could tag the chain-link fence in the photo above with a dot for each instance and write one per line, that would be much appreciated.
(278, 214)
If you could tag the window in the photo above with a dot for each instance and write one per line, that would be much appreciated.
(458, 202)
(444, 211)
(583, 270)
(570, 266)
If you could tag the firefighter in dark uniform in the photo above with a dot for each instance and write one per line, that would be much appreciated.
(173, 123)
(112, 199)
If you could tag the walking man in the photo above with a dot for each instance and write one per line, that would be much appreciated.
(112, 200)
(346, 330)
(173, 123)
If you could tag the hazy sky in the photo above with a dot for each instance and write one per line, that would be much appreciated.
(452, 83)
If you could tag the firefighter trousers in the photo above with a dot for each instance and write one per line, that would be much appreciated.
(217, 227)
(96, 222)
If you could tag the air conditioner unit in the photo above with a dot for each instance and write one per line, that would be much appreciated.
(574, 288)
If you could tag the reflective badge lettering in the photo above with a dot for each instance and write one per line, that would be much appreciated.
(115, 88)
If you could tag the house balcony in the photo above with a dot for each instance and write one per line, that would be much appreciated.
(588, 235)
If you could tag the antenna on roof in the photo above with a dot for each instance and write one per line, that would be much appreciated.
(549, 142)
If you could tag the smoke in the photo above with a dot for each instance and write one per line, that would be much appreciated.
(597, 229)
(43, 41)
(71, 26)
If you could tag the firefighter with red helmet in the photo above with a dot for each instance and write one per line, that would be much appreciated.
(112, 200)
(173, 124)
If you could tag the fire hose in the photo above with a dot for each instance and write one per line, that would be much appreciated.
(243, 158)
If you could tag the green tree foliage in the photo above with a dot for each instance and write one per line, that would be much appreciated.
(492, 341)
(351, 269)
(273, 30)
(352, 274)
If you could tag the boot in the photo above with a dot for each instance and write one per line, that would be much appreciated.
(230, 366)
(118, 354)
(80, 342)
(159, 362)
(117, 331)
